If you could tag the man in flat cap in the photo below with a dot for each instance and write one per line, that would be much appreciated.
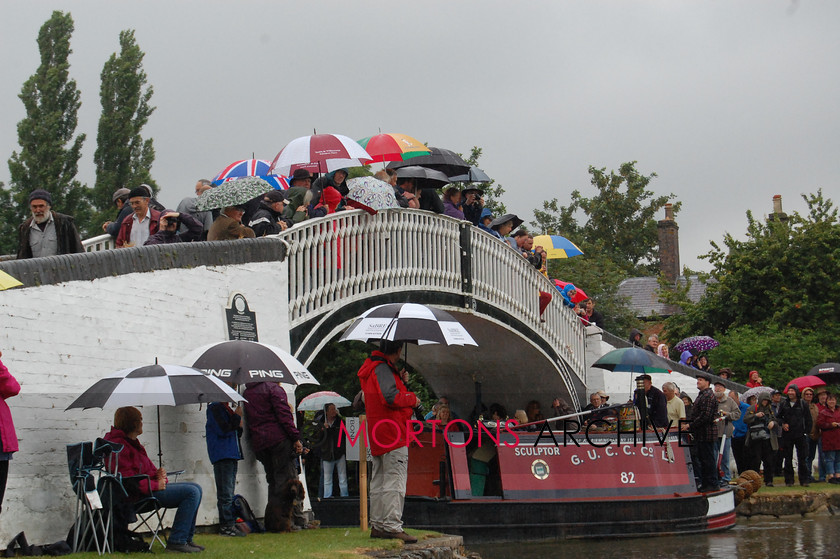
(268, 219)
(704, 431)
(655, 402)
(136, 229)
(120, 198)
(47, 233)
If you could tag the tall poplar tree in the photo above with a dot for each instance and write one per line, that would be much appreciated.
(123, 158)
(49, 153)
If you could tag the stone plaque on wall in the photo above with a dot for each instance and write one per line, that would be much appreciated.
(241, 321)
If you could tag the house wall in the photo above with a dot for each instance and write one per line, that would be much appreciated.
(58, 339)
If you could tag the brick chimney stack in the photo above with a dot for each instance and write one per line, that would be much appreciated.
(778, 214)
(669, 245)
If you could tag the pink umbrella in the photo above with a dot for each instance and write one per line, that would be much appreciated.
(319, 153)
(805, 382)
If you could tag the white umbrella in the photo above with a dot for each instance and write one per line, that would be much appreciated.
(155, 385)
(408, 322)
(319, 153)
(317, 401)
(371, 195)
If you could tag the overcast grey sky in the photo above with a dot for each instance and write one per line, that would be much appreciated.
(728, 102)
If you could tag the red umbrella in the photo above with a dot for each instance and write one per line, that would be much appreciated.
(319, 153)
(805, 382)
(579, 294)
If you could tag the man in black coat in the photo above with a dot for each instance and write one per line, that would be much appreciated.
(268, 219)
(654, 401)
(795, 417)
(47, 233)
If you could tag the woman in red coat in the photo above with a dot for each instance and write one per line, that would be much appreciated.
(829, 422)
(185, 497)
(8, 438)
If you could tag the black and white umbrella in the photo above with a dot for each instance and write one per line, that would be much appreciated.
(241, 362)
(408, 322)
(155, 385)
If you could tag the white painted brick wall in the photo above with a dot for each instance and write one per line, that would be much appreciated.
(57, 340)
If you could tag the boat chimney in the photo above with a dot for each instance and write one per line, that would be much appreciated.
(669, 246)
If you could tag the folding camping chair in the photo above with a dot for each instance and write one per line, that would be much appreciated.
(89, 526)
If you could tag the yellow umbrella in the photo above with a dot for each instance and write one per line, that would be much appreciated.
(557, 247)
(7, 281)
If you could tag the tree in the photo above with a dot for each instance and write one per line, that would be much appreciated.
(49, 154)
(123, 158)
(620, 219)
(618, 237)
(780, 282)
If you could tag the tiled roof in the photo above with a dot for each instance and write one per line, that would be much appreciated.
(643, 294)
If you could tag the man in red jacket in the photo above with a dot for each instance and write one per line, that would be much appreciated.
(389, 406)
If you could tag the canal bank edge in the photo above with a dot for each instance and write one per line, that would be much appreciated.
(802, 504)
(444, 546)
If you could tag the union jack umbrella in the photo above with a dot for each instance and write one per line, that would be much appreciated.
(251, 168)
(319, 153)
(408, 322)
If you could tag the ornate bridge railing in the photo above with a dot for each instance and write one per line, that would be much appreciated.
(352, 255)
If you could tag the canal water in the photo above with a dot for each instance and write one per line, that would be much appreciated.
(812, 538)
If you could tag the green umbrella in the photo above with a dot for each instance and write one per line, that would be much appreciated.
(632, 360)
(233, 193)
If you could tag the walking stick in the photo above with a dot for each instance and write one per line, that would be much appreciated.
(363, 487)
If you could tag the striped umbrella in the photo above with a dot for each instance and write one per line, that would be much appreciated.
(408, 322)
(319, 153)
(251, 168)
(393, 147)
(557, 247)
(155, 385)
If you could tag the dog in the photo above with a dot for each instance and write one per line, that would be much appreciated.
(280, 513)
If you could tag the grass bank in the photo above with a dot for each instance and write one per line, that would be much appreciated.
(323, 543)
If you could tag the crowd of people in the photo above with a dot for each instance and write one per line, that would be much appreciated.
(142, 220)
(762, 431)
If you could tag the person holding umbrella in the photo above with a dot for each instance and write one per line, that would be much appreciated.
(228, 226)
(276, 443)
(389, 406)
(223, 428)
(185, 497)
(333, 452)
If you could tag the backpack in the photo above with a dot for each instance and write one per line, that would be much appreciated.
(243, 513)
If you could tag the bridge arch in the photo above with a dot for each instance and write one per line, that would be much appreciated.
(343, 264)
